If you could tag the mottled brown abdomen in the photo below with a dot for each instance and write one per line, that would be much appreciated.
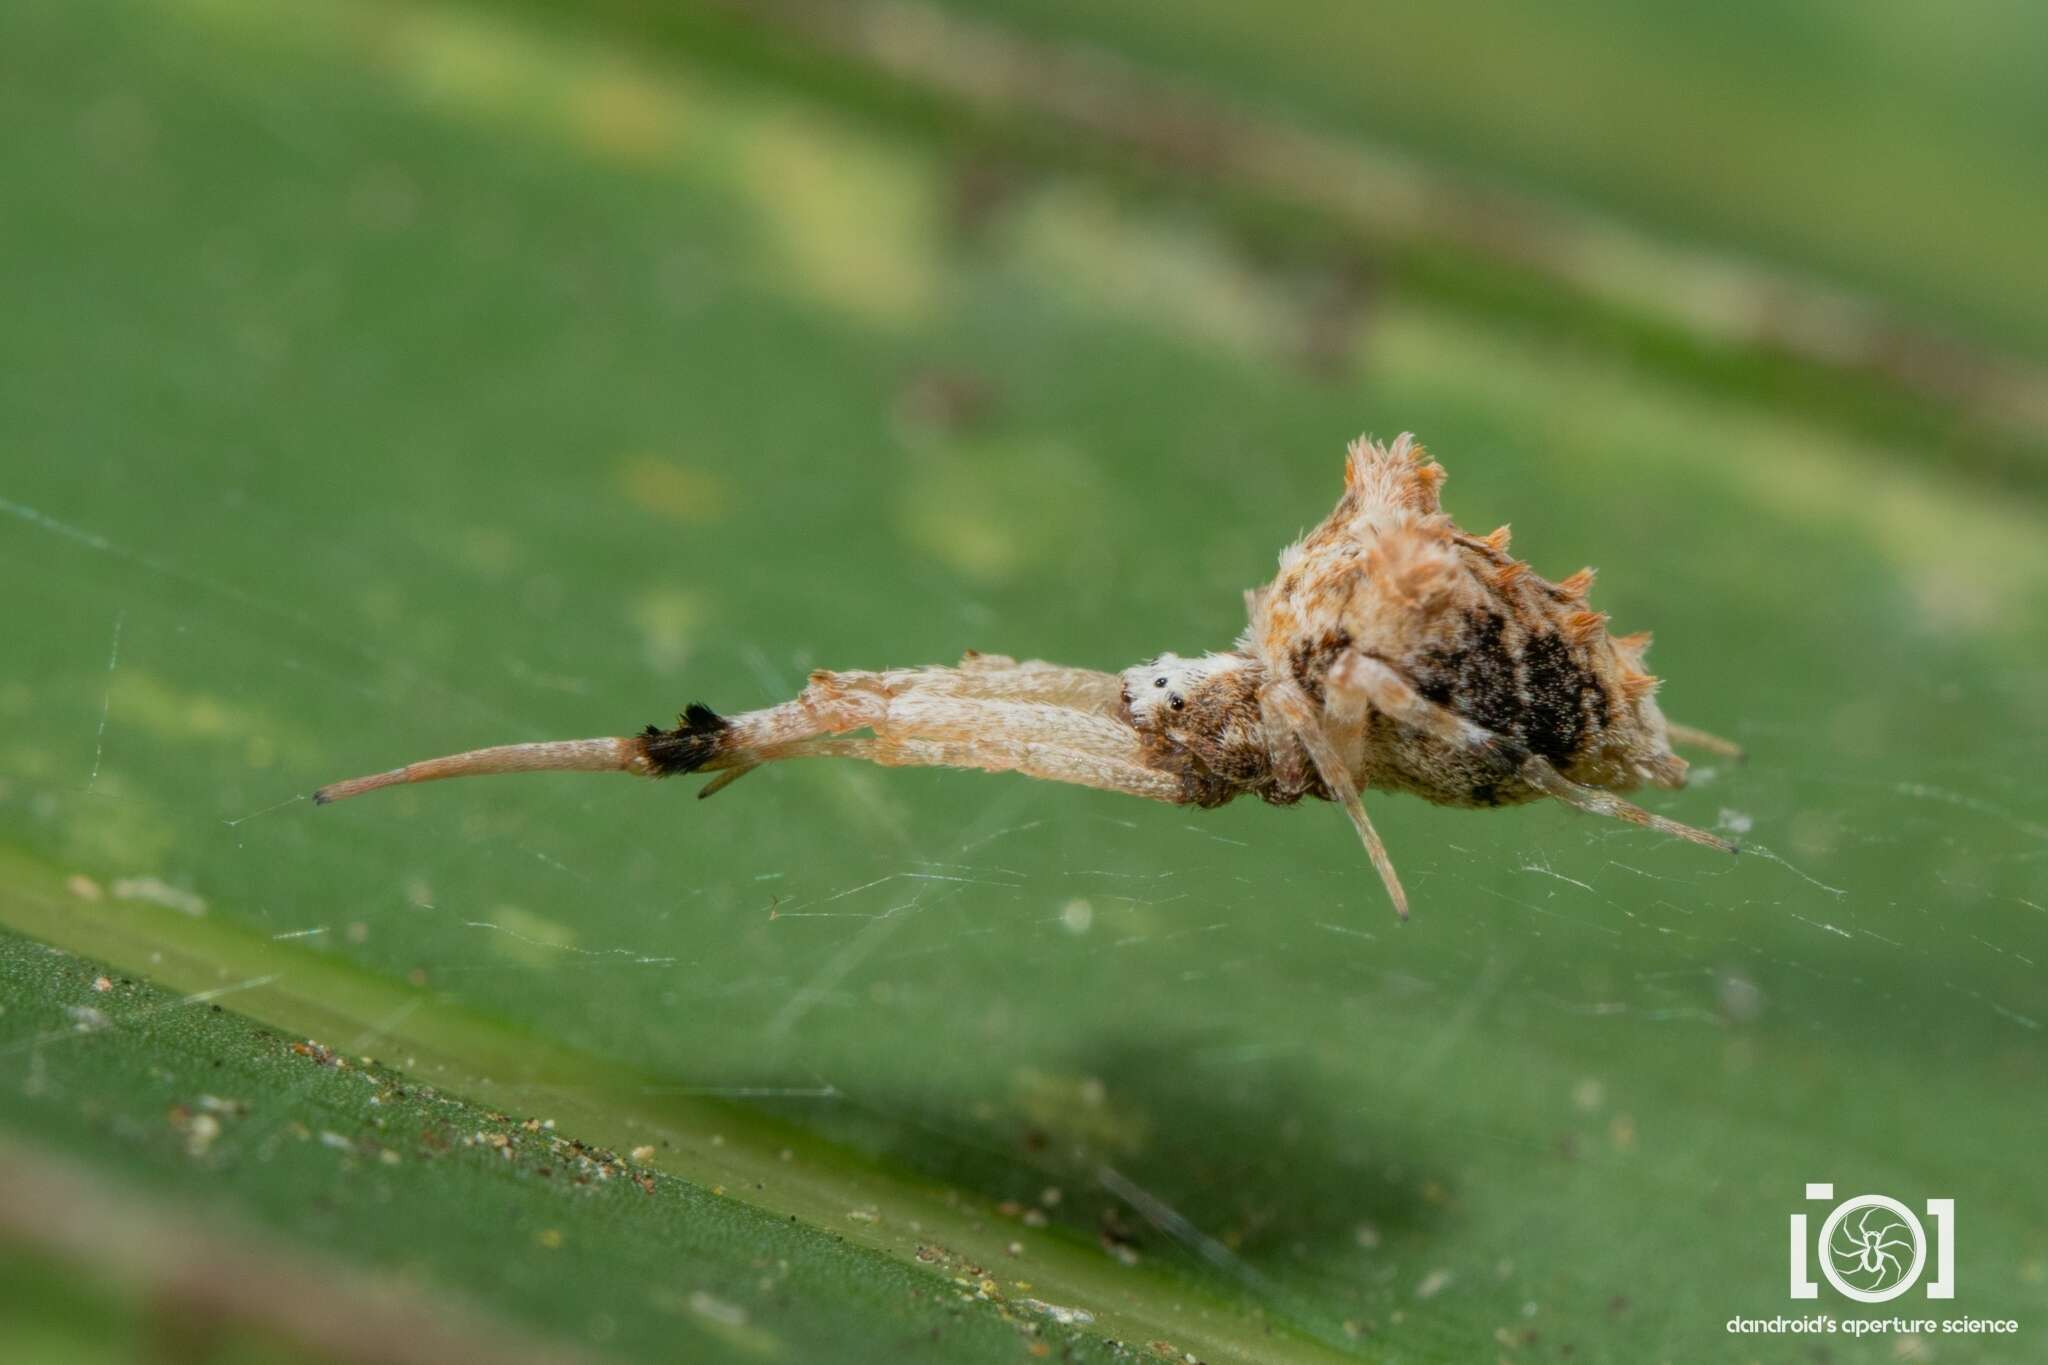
(1531, 686)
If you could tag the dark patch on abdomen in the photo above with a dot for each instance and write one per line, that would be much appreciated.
(1563, 697)
(1313, 660)
(1538, 695)
(1476, 677)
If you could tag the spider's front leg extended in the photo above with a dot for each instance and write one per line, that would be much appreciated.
(1695, 738)
(837, 702)
(998, 677)
(1058, 723)
(732, 747)
(947, 718)
(1299, 721)
(1387, 691)
(1105, 767)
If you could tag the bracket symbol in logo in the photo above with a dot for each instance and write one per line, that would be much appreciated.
(1942, 1211)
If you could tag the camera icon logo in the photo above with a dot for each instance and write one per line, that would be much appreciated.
(1872, 1248)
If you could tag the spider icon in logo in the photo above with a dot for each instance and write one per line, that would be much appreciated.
(1872, 1248)
(1870, 1245)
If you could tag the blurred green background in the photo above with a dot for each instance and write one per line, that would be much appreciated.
(382, 380)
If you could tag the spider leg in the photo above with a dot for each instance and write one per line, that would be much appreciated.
(702, 740)
(1292, 707)
(1060, 743)
(998, 677)
(1700, 739)
(1365, 679)
(831, 704)
(1286, 744)
(1392, 694)
(834, 703)
(932, 718)
(725, 778)
(1538, 773)
(1107, 767)
(1345, 715)
(1084, 765)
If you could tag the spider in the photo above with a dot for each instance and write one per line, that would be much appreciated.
(1392, 652)
(1871, 1249)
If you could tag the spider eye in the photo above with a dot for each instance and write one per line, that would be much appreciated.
(1127, 696)
(1159, 682)
(1177, 702)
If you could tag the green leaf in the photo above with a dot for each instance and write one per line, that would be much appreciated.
(389, 381)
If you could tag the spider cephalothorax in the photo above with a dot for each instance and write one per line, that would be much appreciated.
(1391, 651)
(1202, 716)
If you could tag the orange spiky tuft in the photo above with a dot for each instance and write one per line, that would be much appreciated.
(1509, 574)
(1579, 584)
(1584, 627)
(1635, 645)
(1398, 475)
(1636, 686)
(1357, 465)
(1498, 540)
(1424, 484)
(1412, 565)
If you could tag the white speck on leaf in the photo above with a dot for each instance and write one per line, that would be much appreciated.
(156, 891)
(1066, 1317)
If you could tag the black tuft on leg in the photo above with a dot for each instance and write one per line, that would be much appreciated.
(699, 735)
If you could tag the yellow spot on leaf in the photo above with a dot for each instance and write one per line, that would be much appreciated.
(488, 550)
(847, 220)
(1184, 281)
(669, 620)
(991, 510)
(694, 497)
(621, 113)
(145, 702)
(1079, 1110)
